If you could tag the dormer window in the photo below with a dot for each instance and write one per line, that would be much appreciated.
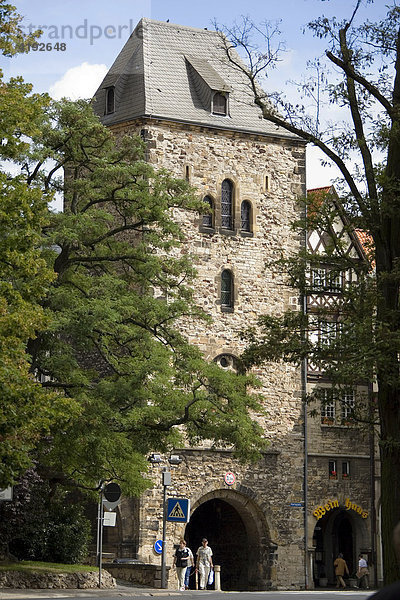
(110, 100)
(219, 104)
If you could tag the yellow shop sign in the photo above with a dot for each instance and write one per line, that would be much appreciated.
(321, 510)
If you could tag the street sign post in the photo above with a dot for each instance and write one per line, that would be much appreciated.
(109, 497)
(166, 479)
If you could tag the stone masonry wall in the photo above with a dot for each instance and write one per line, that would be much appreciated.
(270, 173)
(38, 580)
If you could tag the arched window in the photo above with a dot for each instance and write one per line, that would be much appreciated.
(208, 218)
(226, 289)
(227, 204)
(245, 216)
(110, 100)
(219, 104)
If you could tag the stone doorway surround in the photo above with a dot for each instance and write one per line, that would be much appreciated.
(238, 533)
(339, 531)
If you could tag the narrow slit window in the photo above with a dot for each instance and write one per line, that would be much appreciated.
(226, 289)
(227, 204)
(110, 100)
(245, 216)
(208, 218)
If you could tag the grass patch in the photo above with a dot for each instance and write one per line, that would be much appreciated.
(30, 566)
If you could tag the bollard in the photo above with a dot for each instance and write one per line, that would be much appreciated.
(217, 578)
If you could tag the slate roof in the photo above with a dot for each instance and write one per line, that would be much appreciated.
(171, 72)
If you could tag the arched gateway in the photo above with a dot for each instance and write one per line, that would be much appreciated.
(339, 530)
(238, 535)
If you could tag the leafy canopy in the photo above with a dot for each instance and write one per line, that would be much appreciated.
(122, 294)
(27, 412)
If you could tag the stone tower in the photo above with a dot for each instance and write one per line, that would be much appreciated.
(175, 87)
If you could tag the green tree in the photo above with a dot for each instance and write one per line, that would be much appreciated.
(26, 410)
(99, 291)
(43, 523)
(12, 38)
(365, 84)
(123, 287)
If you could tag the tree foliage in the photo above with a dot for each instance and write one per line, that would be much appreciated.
(26, 410)
(12, 37)
(365, 146)
(123, 286)
(43, 523)
(92, 303)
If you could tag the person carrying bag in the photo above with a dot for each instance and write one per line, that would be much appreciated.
(181, 562)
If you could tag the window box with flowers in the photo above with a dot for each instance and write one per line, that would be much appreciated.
(333, 475)
(327, 421)
(345, 476)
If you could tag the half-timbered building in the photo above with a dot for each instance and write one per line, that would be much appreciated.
(342, 459)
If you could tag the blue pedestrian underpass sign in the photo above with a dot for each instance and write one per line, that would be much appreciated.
(178, 510)
(158, 546)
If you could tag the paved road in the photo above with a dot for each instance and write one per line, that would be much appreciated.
(130, 593)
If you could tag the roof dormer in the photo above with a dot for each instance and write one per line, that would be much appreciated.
(211, 88)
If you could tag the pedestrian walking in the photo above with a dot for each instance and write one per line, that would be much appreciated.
(340, 569)
(189, 569)
(181, 561)
(204, 562)
(362, 573)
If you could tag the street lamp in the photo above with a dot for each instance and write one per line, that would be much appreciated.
(174, 459)
(166, 480)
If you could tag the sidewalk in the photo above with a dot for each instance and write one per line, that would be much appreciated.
(124, 591)
(118, 591)
(129, 591)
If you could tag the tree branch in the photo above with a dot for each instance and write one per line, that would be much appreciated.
(367, 85)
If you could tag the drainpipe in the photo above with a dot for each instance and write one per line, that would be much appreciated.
(372, 475)
(305, 483)
(304, 392)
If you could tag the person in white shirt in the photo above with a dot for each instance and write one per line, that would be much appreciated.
(363, 573)
(204, 562)
(189, 569)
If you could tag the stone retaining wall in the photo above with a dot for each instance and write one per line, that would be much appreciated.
(83, 581)
(142, 574)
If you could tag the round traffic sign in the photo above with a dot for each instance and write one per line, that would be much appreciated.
(230, 478)
(112, 492)
(158, 546)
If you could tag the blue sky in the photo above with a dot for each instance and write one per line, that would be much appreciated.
(94, 32)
